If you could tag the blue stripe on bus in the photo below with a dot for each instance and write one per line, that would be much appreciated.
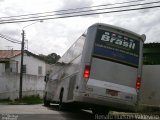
(116, 55)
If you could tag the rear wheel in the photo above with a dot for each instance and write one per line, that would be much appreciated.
(45, 101)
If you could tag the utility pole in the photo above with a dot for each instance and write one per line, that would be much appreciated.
(22, 53)
(21, 70)
(9, 47)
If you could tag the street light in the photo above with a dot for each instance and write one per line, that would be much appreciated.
(22, 54)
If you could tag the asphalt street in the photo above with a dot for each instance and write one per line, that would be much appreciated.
(40, 112)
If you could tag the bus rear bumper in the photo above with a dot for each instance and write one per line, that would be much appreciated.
(99, 101)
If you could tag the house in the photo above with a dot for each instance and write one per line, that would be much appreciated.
(34, 70)
(10, 61)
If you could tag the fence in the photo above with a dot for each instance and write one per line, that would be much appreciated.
(9, 85)
(150, 89)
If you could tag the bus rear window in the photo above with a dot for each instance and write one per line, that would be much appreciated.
(116, 47)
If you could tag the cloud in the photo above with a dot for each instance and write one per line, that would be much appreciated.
(71, 4)
(76, 4)
(58, 35)
(141, 22)
(11, 31)
(2, 0)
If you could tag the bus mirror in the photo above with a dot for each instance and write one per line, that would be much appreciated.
(143, 36)
(46, 78)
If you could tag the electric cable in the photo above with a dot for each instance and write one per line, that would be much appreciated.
(82, 11)
(9, 40)
(86, 14)
(74, 9)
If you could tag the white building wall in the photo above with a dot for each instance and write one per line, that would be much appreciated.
(150, 86)
(32, 64)
(9, 85)
(2, 68)
(33, 83)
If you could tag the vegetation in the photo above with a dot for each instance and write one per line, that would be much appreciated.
(50, 58)
(27, 100)
(30, 100)
(5, 100)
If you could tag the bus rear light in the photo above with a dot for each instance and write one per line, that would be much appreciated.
(86, 73)
(138, 83)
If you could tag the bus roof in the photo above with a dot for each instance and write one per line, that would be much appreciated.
(119, 28)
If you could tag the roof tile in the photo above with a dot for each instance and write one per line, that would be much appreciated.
(6, 54)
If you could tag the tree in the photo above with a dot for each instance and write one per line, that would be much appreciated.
(50, 58)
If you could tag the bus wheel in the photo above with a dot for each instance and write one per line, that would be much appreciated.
(61, 104)
(45, 101)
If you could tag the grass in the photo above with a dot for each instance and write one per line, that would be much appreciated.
(5, 100)
(26, 100)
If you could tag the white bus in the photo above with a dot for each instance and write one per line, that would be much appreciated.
(100, 71)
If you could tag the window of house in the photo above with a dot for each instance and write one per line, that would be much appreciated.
(7, 67)
(39, 70)
(14, 66)
(24, 69)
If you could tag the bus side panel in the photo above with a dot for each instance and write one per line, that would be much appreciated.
(72, 82)
(59, 85)
(67, 80)
(71, 72)
(68, 68)
(52, 84)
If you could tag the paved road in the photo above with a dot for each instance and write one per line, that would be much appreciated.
(40, 112)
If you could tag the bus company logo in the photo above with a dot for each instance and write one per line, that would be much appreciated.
(118, 40)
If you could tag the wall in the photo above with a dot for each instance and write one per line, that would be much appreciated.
(2, 68)
(32, 64)
(150, 86)
(9, 85)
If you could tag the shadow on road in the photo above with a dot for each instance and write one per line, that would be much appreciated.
(72, 113)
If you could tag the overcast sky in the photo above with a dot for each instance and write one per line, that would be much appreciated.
(57, 35)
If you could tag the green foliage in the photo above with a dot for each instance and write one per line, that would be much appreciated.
(33, 99)
(27, 100)
(50, 58)
(151, 54)
(5, 100)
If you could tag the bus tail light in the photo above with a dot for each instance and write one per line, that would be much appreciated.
(86, 73)
(138, 83)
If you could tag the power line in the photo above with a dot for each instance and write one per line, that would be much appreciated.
(9, 47)
(86, 14)
(75, 9)
(9, 40)
(82, 11)
(9, 37)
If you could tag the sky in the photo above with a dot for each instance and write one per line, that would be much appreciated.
(57, 35)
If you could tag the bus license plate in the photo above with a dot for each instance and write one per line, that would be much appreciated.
(111, 92)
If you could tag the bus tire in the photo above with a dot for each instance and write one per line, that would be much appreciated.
(45, 101)
(61, 104)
